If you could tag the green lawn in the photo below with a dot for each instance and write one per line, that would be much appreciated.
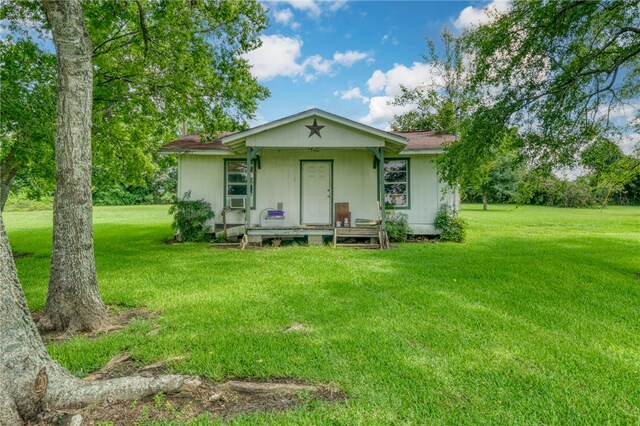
(535, 320)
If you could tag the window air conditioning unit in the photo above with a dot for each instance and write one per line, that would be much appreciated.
(237, 202)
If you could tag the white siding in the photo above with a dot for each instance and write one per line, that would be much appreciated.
(203, 176)
(278, 180)
(426, 193)
(295, 134)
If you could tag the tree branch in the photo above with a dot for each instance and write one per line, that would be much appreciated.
(143, 26)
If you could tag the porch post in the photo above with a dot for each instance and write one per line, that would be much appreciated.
(381, 180)
(251, 154)
(378, 152)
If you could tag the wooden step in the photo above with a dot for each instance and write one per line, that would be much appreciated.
(356, 245)
(357, 232)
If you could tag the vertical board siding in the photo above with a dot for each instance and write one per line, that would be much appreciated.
(354, 181)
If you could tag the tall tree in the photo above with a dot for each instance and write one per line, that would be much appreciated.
(555, 70)
(73, 300)
(437, 105)
(156, 64)
(447, 105)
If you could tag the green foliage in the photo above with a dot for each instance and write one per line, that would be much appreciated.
(502, 183)
(451, 225)
(551, 191)
(435, 107)
(27, 121)
(20, 202)
(156, 64)
(190, 218)
(397, 226)
(555, 70)
(612, 173)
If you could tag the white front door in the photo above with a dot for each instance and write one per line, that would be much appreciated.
(315, 188)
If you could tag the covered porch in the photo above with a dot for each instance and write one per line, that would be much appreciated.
(299, 170)
(371, 236)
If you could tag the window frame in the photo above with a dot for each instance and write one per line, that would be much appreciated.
(407, 183)
(225, 189)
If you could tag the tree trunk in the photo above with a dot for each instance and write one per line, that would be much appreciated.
(485, 200)
(8, 170)
(30, 381)
(73, 300)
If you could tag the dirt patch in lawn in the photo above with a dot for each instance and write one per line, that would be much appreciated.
(203, 397)
(119, 318)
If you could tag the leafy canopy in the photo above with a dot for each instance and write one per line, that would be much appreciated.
(555, 70)
(156, 64)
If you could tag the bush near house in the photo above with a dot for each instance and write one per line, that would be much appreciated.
(397, 226)
(453, 227)
(190, 218)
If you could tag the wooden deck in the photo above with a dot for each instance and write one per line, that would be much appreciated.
(357, 236)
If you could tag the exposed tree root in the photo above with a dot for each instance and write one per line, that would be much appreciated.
(117, 319)
(199, 397)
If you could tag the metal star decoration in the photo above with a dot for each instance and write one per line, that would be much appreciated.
(314, 129)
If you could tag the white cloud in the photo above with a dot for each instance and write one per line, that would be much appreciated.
(282, 56)
(474, 16)
(277, 56)
(386, 84)
(336, 5)
(629, 143)
(350, 94)
(419, 74)
(285, 17)
(381, 113)
(626, 112)
(350, 57)
(377, 82)
(314, 8)
(309, 6)
(319, 65)
(388, 37)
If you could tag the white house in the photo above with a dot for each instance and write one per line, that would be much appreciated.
(301, 174)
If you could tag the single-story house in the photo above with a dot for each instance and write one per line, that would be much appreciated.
(306, 173)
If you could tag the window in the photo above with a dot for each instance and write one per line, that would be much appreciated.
(236, 180)
(396, 182)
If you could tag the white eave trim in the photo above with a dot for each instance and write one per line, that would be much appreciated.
(422, 151)
(187, 152)
(390, 137)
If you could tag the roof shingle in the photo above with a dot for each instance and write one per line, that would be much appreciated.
(417, 141)
(426, 140)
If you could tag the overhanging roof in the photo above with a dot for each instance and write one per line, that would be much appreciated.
(236, 141)
(403, 142)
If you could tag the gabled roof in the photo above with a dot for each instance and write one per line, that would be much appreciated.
(406, 142)
(235, 139)
(426, 141)
(191, 143)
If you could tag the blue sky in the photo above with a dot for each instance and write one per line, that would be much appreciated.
(349, 57)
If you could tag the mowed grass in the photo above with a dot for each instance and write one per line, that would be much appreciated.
(535, 320)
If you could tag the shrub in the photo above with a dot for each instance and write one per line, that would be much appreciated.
(397, 226)
(190, 218)
(20, 202)
(452, 227)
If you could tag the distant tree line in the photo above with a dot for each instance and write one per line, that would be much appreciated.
(513, 180)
